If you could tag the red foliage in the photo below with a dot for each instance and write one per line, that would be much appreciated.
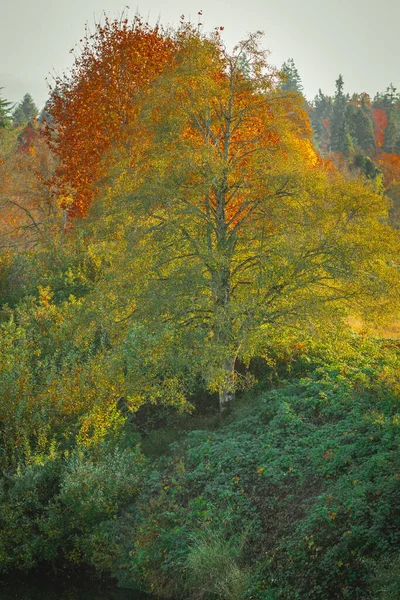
(380, 122)
(390, 167)
(95, 107)
(27, 138)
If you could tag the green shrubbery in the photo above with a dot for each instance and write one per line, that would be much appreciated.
(298, 494)
(295, 496)
(66, 510)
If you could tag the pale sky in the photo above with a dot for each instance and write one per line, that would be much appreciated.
(358, 38)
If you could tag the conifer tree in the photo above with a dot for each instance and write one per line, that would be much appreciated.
(5, 108)
(358, 123)
(321, 114)
(365, 132)
(292, 81)
(25, 111)
(390, 97)
(338, 127)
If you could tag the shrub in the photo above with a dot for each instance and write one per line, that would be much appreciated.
(68, 509)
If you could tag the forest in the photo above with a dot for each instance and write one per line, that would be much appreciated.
(200, 324)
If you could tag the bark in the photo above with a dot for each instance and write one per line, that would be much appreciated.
(227, 390)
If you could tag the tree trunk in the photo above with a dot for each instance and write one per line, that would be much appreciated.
(227, 390)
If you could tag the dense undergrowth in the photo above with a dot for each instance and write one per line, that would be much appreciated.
(295, 496)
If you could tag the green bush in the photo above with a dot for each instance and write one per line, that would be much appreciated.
(68, 510)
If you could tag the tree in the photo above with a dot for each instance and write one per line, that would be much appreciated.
(386, 105)
(291, 78)
(387, 99)
(392, 132)
(92, 106)
(379, 124)
(321, 115)
(27, 211)
(338, 125)
(5, 108)
(25, 111)
(366, 166)
(227, 227)
(358, 122)
(364, 130)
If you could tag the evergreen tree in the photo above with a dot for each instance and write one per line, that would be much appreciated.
(321, 114)
(366, 166)
(389, 98)
(364, 131)
(391, 135)
(25, 111)
(390, 101)
(358, 123)
(348, 145)
(5, 108)
(18, 116)
(351, 116)
(292, 81)
(338, 126)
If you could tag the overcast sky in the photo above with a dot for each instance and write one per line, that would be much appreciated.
(358, 38)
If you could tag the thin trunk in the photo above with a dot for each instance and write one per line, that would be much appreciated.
(222, 289)
(227, 390)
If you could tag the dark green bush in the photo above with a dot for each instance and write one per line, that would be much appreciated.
(68, 509)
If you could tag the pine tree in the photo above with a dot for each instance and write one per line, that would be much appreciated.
(5, 108)
(25, 111)
(338, 127)
(390, 97)
(348, 145)
(292, 81)
(321, 114)
(389, 102)
(358, 122)
(392, 133)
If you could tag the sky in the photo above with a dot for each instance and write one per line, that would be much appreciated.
(358, 39)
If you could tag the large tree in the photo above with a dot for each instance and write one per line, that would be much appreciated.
(227, 228)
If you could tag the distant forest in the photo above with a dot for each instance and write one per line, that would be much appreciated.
(357, 132)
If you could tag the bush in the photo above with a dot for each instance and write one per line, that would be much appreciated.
(68, 510)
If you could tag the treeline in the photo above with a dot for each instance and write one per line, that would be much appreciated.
(357, 133)
(24, 112)
(347, 123)
(170, 236)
